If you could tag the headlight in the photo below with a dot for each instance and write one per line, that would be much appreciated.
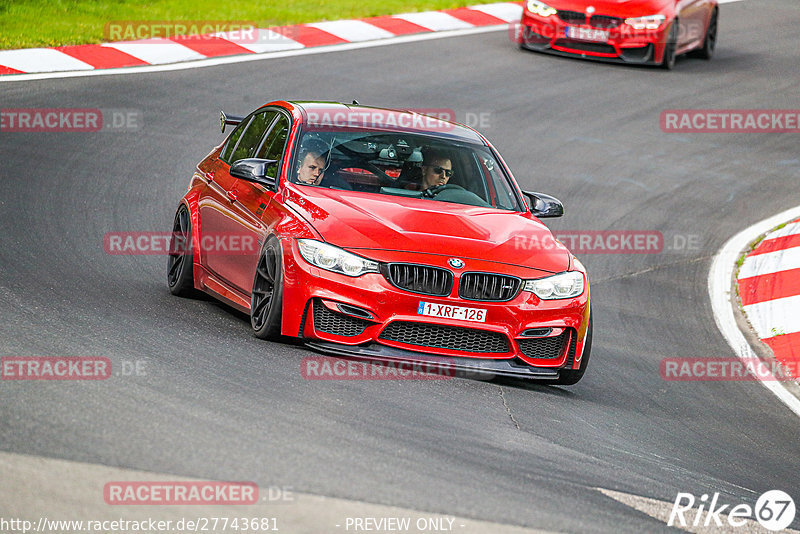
(650, 22)
(559, 286)
(334, 259)
(540, 8)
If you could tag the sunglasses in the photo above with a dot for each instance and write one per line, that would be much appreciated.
(440, 170)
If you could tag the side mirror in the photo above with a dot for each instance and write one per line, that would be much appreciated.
(255, 170)
(544, 205)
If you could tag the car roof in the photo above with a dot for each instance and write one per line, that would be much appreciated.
(355, 115)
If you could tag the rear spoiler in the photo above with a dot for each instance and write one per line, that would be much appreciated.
(228, 119)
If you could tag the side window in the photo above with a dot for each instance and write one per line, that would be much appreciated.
(274, 144)
(232, 140)
(252, 135)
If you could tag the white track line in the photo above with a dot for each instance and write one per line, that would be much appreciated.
(265, 41)
(352, 30)
(213, 62)
(720, 280)
(786, 231)
(434, 21)
(770, 262)
(506, 11)
(155, 51)
(45, 58)
(771, 318)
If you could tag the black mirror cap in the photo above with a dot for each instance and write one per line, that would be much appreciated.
(543, 205)
(254, 170)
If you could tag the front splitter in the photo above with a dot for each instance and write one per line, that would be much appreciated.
(462, 367)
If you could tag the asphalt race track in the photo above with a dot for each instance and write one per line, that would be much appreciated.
(217, 403)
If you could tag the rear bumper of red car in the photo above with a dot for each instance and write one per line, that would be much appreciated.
(624, 44)
(368, 317)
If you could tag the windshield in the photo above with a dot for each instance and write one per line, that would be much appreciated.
(402, 164)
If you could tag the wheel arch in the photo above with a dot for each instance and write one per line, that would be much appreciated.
(190, 202)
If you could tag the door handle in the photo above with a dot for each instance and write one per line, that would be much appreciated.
(232, 196)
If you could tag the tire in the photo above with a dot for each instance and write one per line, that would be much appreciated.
(180, 262)
(570, 377)
(266, 300)
(668, 62)
(710, 42)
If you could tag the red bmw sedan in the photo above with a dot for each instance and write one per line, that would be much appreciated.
(650, 32)
(385, 235)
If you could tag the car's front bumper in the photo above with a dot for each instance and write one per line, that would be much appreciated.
(624, 45)
(394, 328)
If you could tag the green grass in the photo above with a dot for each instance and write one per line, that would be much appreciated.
(42, 23)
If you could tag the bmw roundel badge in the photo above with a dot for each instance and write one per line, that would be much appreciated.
(455, 263)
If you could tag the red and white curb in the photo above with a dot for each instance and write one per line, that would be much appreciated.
(162, 51)
(769, 289)
(769, 315)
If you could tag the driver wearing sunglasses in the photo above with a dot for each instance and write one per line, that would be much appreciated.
(437, 169)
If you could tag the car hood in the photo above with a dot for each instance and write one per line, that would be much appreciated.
(615, 8)
(354, 220)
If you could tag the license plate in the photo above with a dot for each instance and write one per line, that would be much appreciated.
(587, 34)
(446, 311)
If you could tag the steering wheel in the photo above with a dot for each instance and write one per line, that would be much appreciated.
(436, 189)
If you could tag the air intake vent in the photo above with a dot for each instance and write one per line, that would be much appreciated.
(335, 323)
(445, 337)
(549, 348)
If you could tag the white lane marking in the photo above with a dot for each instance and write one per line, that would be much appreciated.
(352, 30)
(775, 317)
(434, 20)
(506, 11)
(156, 51)
(770, 262)
(720, 280)
(227, 60)
(789, 229)
(45, 59)
(727, 1)
(264, 40)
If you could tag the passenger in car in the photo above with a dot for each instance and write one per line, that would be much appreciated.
(312, 166)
